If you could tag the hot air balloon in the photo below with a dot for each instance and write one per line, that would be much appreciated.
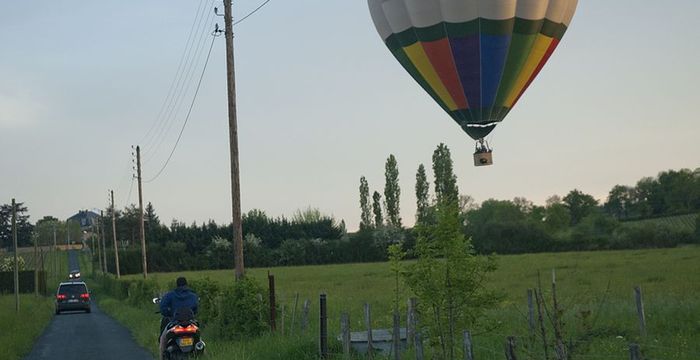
(475, 58)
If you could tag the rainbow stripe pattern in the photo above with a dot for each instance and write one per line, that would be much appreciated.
(474, 57)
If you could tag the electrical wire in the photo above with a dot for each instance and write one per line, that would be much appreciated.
(128, 197)
(189, 112)
(251, 13)
(177, 74)
(177, 104)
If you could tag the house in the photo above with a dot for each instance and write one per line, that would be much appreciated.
(86, 218)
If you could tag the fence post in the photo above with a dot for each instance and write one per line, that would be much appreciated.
(294, 314)
(396, 336)
(323, 339)
(282, 315)
(510, 348)
(305, 315)
(273, 309)
(368, 324)
(345, 331)
(640, 310)
(411, 322)
(468, 352)
(530, 313)
(540, 319)
(635, 352)
(419, 346)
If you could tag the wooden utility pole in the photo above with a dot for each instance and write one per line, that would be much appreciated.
(14, 243)
(233, 141)
(104, 242)
(114, 235)
(36, 265)
(55, 263)
(96, 234)
(143, 231)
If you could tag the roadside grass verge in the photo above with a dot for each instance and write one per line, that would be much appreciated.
(594, 288)
(21, 330)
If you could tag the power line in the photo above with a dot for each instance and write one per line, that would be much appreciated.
(251, 13)
(177, 72)
(189, 112)
(176, 105)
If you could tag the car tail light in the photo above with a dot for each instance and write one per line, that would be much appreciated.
(85, 296)
(190, 329)
(60, 297)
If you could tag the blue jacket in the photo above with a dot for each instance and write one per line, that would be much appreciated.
(181, 297)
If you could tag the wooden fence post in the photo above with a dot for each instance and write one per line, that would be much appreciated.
(468, 352)
(640, 310)
(323, 327)
(510, 348)
(273, 308)
(540, 319)
(411, 322)
(305, 315)
(635, 352)
(282, 315)
(396, 336)
(345, 333)
(418, 344)
(368, 324)
(530, 313)
(294, 314)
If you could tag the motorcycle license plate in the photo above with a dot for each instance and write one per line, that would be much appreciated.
(186, 341)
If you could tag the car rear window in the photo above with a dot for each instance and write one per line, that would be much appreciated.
(72, 289)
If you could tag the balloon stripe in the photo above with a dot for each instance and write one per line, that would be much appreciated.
(494, 49)
(440, 56)
(548, 53)
(467, 56)
(420, 60)
(539, 49)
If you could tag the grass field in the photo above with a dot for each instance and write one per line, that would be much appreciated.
(597, 282)
(680, 222)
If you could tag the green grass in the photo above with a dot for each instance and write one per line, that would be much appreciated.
(21, 330)
(680, 222)
(599, 282)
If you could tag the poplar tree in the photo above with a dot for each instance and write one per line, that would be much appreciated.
(422, 188)
(365, 207)
(377, 208)
(392, 192)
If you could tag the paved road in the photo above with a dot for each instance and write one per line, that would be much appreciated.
(78, 336)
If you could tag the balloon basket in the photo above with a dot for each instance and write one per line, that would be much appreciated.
(483, 158)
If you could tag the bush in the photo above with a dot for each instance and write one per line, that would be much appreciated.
(209, 293)
(242, 310)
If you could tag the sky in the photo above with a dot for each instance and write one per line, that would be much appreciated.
(321, 102)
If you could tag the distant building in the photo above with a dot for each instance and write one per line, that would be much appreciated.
(86, 218)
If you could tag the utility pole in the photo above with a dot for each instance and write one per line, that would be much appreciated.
(233, 140)
(55, 271)
(14, 243)
(104, 242)
(114, 235)
(36, 265)
(143, 231)
(96, 234)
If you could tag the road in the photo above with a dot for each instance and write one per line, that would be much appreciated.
(78, 336)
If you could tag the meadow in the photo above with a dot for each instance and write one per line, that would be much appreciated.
(35, 312)
(680, 222)
(595, 290)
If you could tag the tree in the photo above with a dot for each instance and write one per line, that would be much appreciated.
(445, 181)
(557, 217)
(422, 201)
(365, 207)
(24, 228)
(448, 279)
(392, 192)
(620, 199)
(579, 204)
(377, 208)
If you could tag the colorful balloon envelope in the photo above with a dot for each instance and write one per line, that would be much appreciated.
(474, 57)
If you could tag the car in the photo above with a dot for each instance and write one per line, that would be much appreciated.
(75, 274)
(72, 296)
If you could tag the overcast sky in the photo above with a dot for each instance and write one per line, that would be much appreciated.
(322, 102)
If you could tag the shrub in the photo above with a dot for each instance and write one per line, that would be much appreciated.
(242, 310)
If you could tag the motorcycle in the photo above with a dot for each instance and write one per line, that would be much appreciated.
(183, 339)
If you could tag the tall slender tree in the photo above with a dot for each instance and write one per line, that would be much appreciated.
(392, 192)
(422, 201)
(445, 180)
(377, 208)
(365, 206)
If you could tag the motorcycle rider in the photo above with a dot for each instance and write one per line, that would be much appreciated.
(182, 297)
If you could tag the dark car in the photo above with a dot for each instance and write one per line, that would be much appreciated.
(75, 274)
(72, 296)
